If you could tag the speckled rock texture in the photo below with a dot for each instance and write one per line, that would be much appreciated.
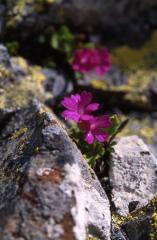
(47, 190)
(133, 175)
(20, 82)
(138, 225)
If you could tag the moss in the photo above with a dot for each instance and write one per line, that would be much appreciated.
(12, 47)
(20, 92)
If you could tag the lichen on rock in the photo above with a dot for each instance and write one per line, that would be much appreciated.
(23, 83)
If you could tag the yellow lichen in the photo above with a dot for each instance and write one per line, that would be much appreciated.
(153, 234)
(118, 220)
(4, 72)
(18, 9)
(18, 133)
(138, 66)
(143, 127)
(89, 237)
(139, 213)
(20, 92)
(21, 62)
(131, 59)
(98, 84)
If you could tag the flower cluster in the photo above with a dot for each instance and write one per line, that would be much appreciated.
(79, 109)
(86, 60)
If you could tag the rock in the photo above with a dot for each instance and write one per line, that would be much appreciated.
(2, 17)
(145, 126)
(133, 175)
(5, 66)
(47, 190)
(132, 78)
(20, 82)
(117, 233)
(140, 224)
(55, 83)
(112, 17)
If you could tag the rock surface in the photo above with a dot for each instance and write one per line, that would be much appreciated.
(133, 175)
(140, 224)
(46, 188)
(113, 17)
(20, 82)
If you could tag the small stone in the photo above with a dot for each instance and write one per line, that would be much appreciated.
(133, 176)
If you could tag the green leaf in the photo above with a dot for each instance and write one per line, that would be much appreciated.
(65, 34)
(55, 41)
(114, 125)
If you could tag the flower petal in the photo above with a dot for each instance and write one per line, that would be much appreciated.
(86, 117)
(92, 107)
(69, 103)
(75, 97)
(69, 115)
(103, 121)
(100, 135)
(100, 70)
(86, 98)
(89, 138)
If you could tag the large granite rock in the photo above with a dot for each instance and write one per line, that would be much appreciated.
(47, 190)
(133, 175)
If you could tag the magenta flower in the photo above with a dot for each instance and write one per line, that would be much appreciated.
(86, 60)
(94, 127)
(79, 107)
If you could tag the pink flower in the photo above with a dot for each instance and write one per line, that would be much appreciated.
(94, 127)
(86, 60)
(79, 107)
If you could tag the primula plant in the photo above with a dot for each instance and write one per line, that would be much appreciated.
(94, 135)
